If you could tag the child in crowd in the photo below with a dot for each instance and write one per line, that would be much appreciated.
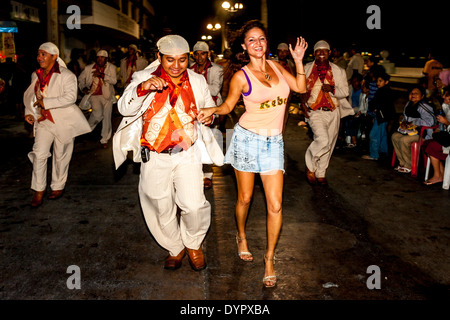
(382, 105)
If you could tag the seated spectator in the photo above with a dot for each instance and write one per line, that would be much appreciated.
(433, 148)
(417, 113)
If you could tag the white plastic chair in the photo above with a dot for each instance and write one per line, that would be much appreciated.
(446, 182)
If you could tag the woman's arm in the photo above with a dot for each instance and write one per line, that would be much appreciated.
(238, 85)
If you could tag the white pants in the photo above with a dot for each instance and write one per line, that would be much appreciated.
(325, 127)
(167, 181)
(62, 154)
(101, 112)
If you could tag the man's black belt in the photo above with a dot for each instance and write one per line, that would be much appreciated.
(175, 150)
(321, 108)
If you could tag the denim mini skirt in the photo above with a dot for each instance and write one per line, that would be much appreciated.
(251, 152)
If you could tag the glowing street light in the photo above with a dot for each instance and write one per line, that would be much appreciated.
(232, 8)
(217, 26)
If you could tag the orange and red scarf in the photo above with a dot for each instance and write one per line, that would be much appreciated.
(41, 86)
(323, 73)
(172, 123)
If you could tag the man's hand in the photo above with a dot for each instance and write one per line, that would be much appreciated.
(327, 88)
(30, 119)
(154, 84)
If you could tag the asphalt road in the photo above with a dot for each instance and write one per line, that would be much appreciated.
(372, 234)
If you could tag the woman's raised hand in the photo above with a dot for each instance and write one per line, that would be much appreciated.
(300, 48)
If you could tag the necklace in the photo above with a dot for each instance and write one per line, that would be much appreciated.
(267, 76)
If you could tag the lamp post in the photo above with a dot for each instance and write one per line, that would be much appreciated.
(231, 8)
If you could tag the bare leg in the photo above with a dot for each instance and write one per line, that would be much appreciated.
(245, 185)
(273, 187)
(438, 171)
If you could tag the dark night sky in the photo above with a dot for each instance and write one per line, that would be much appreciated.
(408, 28)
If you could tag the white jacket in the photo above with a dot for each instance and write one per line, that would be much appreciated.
(60, 100)
(341, 88)
(215, 81)
(128, 134)
(85, 79)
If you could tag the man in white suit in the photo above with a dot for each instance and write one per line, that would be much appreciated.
(160, 107)
(50, 107)
(327, 90)
(130, 64)
(213, 74)
(98, 80)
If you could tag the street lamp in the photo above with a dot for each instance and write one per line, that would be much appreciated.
(216, 27)
(232, 7)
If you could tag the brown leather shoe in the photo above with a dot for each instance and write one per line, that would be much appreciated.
(55, 194)
(174, 262)
(311, 176)
(37, 198)
(322, 181)
(196, 259)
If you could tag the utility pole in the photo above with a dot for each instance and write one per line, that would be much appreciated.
(264, 14)
(52, 22)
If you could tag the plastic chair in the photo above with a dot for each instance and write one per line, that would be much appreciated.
(415, 152)
(446, 182)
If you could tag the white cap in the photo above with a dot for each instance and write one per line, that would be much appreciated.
(283, 46)
(51, 48)
(173, 45)
(102, 53)
(322, 44)
(133, 46)
(201, 46)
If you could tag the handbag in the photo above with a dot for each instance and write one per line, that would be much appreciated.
(411, 130)
(442, 137)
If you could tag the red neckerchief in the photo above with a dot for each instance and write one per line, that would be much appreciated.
(183, 90)
(98, 90)
(131, 61)
(41, 83)
(286, 66)
(321, 72)
(204, 73)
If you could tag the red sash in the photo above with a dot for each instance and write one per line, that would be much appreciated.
(98, 89)
(172, 133)
(41, 85)
(324, 98)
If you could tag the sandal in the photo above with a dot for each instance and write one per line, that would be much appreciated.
(243, 255)
(429, 182)
(269, 281)
(404, 170)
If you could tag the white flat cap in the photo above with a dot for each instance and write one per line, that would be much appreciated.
(102, 53)
(283, 46)
(322, 44)
(49, 47)
(173, 45)
(201, 46)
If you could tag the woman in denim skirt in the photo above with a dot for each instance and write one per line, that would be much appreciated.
(257, 142)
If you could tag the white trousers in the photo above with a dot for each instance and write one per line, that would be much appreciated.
(325, 127)
(101, 112)
(167, 181)
(44, 138)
